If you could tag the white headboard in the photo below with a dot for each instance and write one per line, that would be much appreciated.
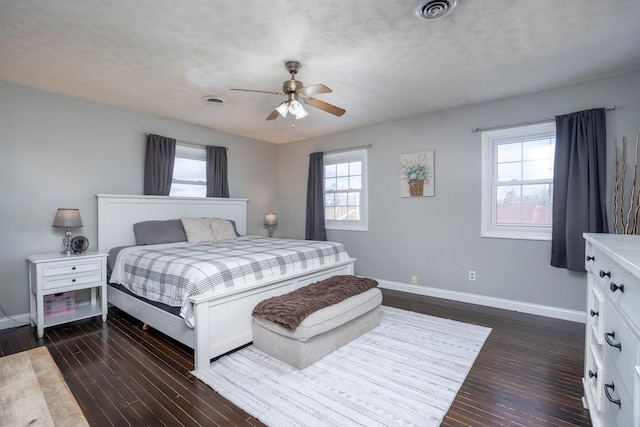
(118, 212)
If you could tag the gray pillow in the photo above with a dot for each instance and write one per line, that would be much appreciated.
(156, 232)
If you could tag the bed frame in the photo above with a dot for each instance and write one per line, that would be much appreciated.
(222, 321)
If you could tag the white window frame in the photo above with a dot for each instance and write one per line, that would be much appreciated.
(490, 139)
(350, 156)
(191, 152)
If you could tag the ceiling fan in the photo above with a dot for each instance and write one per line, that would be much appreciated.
(295, 91)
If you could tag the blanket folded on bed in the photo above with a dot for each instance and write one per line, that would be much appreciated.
(291, 309)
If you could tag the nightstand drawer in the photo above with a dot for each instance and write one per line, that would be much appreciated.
(69, 267)
(57, 282)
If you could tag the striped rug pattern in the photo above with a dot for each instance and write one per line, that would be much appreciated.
(406, 372)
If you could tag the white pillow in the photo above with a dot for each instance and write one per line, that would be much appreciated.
(222, 230)
(198, 230)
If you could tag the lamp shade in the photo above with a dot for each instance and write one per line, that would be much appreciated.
(283, 108)
(67, 218)
(270, 219)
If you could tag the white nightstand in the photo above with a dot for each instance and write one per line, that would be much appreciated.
(53, 274)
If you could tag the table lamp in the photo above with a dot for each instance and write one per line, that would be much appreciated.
(270, 219)
(67, 218)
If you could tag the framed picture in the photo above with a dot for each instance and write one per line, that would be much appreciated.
(417, 174)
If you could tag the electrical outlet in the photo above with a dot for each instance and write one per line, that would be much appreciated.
(414, 280)
(472, 275)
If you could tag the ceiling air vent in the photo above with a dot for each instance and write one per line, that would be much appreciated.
(212, 100)
(433, 9)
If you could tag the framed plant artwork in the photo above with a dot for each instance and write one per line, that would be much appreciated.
(417, 174)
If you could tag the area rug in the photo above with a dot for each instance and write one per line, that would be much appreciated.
(405, 372)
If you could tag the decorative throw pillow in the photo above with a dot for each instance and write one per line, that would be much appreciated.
(235, 228)
(155, 232)
(198, 230)
(222, 230)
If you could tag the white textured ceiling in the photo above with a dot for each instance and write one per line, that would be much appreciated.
(382, 62)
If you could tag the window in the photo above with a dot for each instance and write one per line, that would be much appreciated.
(517, 182)
(345, 190)
(189, 172)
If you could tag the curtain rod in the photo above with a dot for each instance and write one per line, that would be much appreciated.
(188, 144)
(359, 147)
(529, 122)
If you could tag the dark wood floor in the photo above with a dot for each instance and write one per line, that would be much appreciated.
(527, 374)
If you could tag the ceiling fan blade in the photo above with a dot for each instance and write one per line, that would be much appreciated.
(313, 89)
(336, 111)
(274, 114)
(259, 91)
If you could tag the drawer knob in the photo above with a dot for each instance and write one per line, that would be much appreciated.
(73, 268)
(605, 273)
(73, 280)
(594, 313)
(590, 258)
(612, 335)
(611, 399)
(615, 287)
(593, 374)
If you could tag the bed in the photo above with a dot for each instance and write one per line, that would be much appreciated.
(221, 320)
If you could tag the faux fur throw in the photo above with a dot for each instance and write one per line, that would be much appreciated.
(291, 309)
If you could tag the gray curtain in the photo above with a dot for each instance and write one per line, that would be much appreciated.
(315, 229)
(217, 181)
(158, 165)
(579, 184)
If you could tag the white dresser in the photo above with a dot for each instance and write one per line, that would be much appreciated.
(612, 347)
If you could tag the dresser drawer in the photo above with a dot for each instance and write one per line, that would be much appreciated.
(636, 398)
(595, 310)
(626, 292)
(617, 403)
(602, 267)
(63, 281)
(70, 267)
(621, 347)
(594, 376)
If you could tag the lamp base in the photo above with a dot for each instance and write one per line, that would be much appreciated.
(67, 244)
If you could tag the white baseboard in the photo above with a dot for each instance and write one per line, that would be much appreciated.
(540, 310)
(15, 321)
(505, 304)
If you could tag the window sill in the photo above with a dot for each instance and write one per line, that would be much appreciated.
(346, 227)
(517, 234)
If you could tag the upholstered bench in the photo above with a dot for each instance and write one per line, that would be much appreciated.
(321, 332)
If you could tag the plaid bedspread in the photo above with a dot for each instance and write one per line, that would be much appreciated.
(171, 273)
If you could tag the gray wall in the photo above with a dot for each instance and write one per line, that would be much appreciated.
(438, 238)
(57, 151)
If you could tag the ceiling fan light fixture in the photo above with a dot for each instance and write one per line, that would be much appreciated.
(296, 108)
(283, 108)
(302, 113)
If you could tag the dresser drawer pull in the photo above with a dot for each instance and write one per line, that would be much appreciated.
(605, 273)
(73, 280)
(594, 313)
(611, 399)
(590, 258)
(593, 374)
(73, 268)
(615, 287)
(612, 334)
